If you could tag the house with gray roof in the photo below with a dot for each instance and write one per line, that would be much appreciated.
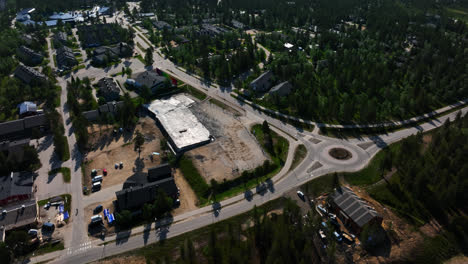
(160, 25)
(18, 215)
(29, 75)
(352, 210)
(135, 195)
(16, 187)
(65, 58)
(211, 30)
(282, 89)
(60, 38)
(263, 82)
(237, 24)
(160, 172)
(35, 121)
(29, 56)
(108, 89)
(151, 80)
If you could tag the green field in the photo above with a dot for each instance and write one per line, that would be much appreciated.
(64, 171)
(299, 154)
(458, 13)
(246, 181)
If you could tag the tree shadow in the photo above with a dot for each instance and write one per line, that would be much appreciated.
(122, 237)
(270, 185)
(146, 233)
(139, 165)
(383, 248)
(45, 143)
(261, 189)
(216, 208)
(162, 227)
(379, 142)
(248, 195)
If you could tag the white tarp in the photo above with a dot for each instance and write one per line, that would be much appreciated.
(179, 122)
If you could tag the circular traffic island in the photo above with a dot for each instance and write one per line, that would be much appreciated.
(340, 154)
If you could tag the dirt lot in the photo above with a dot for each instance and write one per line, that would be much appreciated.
(52, 215)
(109, 229)
(188, 199)
(404, 237)
(108, 149)
(234, 149)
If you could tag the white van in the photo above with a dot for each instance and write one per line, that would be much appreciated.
(96, 186)
(97, 179)
(96, 219)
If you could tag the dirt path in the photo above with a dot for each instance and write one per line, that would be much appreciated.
(188, 199)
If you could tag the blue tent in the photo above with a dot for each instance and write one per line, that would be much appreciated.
(106, 213)
(110, 218)
(61, 209)
(66, 216)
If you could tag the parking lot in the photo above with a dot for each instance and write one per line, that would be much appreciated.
(109, 148)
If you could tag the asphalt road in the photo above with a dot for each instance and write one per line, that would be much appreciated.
(82, 251)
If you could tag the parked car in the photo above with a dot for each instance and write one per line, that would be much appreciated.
(96, 219)
(96, 186)
(98, 209)
(48, 226)
(97, 179)
(322, 209)
(33, 232)
(337, 236)
(301, 195)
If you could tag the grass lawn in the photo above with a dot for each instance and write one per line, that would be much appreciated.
(144, 39)
(458, 12)
(49, 248)
(281, 145)
(64, 171)
(321, 185)
(140, 46)
(245, 182)
(66, 205)
(194, 92)
(372, 173)
(299, 154)
(193, 177)
(139, 57)
(171, 247)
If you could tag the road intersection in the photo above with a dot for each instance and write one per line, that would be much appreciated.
(83, 250)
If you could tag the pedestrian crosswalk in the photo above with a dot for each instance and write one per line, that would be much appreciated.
(83, 247)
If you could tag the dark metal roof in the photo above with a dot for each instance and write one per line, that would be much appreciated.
(159, 172)
(135, 197)
(353, 206)
(16, 183)
(17, 216)
(11, 127)
(28, 74)
(35, 121)
(149, 79)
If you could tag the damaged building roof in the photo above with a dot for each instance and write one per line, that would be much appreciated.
(182, 126)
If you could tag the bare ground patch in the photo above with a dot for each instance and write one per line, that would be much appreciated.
(88, 211)
(108, 148)
(234, 150)
(188, 199)
(403, 236)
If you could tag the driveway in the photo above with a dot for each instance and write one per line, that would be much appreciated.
(53, 185)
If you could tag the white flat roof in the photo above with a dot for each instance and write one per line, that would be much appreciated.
(180, 123)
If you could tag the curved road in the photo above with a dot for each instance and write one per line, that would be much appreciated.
(316, 163)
